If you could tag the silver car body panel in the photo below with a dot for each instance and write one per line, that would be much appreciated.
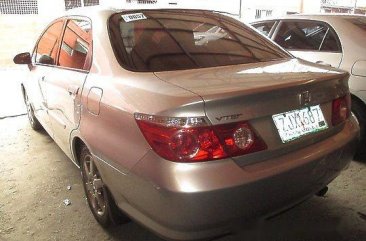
(184, 201)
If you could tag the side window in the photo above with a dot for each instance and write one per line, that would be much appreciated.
(47, 48)
(76, 51)
(331, 42)
(307, 35)
(265, 27)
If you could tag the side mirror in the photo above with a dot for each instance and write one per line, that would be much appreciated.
(23, 58)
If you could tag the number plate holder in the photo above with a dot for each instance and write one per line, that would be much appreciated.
(297, 123)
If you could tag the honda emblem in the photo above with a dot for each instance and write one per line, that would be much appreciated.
(305, 98)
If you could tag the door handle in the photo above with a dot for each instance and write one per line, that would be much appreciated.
(73, 90)
(43, 78)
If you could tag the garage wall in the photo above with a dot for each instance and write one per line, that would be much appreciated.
(19, 32)
(17, 35)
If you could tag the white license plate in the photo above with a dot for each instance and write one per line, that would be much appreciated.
(297, 123)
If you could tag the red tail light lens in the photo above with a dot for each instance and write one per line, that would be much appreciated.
(193, 140)
(240, 139)
(341, 109)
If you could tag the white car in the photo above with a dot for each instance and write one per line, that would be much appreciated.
(331, 39)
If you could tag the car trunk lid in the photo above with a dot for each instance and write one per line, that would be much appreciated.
(261, 89)
(256, 92)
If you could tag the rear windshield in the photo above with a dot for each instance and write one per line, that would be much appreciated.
(164, 40)
(359, 22)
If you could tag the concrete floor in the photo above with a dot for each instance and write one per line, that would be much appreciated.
(34, 175)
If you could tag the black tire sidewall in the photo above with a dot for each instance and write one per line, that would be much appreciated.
(35, 125)
(359, 110)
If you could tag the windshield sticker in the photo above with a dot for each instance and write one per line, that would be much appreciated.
(133, 17)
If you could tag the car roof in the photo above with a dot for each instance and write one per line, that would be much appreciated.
(320, 16)
(91, 11)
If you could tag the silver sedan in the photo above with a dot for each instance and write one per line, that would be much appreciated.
(187, 121)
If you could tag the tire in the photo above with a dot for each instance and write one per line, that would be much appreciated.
(359, 110)
(34, 123)
(100, 200)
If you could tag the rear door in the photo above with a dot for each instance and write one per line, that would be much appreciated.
(314, 41)
(44, 60)
(65, 83)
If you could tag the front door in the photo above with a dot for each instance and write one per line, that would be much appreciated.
(44, 61)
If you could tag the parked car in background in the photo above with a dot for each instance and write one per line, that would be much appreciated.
(337, 40)
(189, 133)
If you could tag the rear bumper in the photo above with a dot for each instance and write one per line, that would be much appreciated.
(193, 201)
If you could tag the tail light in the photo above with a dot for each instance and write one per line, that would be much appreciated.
(194, 140)
(341, 109)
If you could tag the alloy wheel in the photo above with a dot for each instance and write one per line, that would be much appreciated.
(94, 186)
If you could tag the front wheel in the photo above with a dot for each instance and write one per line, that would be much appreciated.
(100, 200)
(359, 110)
(34, 123)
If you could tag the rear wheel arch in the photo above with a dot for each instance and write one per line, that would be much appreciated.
(115, 215)
(77, 146)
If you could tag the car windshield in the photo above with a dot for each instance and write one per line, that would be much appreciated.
(359, 22)
(164, 40)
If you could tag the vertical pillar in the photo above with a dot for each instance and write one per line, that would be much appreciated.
(301, 6)
(354, 8)
(240, 6)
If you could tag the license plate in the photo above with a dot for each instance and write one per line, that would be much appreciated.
(297, 123)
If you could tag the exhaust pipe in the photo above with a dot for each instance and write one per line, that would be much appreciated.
(322, 192)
